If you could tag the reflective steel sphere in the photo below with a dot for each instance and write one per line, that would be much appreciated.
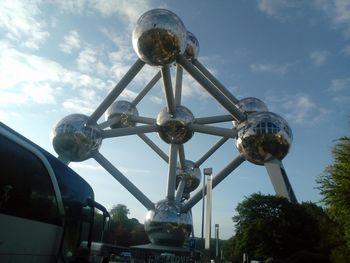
(122, 110)
(74, 140)
(263, 136)
(192, 46)
(191, 174)
(251, 104)
(158, 37)
(166, 225)
(174, 128)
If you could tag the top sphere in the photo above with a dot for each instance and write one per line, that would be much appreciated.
(159, 36)
(192, 46)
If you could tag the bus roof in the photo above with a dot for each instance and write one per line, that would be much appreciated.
(74, 189)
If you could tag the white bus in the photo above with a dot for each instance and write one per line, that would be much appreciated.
(46, 209)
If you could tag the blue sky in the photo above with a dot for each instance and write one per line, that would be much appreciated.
(63, 57)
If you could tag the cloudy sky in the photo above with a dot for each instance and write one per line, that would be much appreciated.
(63, 57)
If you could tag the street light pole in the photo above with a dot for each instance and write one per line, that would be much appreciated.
(217, 241)
(208, 172)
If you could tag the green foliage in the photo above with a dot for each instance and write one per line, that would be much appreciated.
(272, 226)
(122, 231)
(335, 189)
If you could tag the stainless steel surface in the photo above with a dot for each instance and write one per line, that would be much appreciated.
(118, 89)
(263, 136)
(74, 140)
(191, 174)
(174, 128)
(159, 35)
(170, 194)
(218, 178)
(192, 46)
(213, 90)
(122, 110)
(168, 89)
(251, 104)
(128, 185)
(167, 225)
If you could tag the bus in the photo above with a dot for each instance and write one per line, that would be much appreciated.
(46, 209)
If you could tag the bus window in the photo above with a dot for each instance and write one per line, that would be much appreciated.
(25, 186)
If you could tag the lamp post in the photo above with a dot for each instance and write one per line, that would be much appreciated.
(208, 172)
(217, 241)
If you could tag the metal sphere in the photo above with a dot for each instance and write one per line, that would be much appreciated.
(166, 225)
(263, 136)
(122, 110)
(174, 128)
(192, 46)
(74, 140)
(251, 104)
(159, 36)
(191, 174)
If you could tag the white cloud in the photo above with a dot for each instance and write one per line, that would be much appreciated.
(339, 85)
(11, 98)
(79, 105)
(299, 109)
(7, 115)
(338, 91)
(26, 79)
(41, 94)
(319, 57)
(71, 42)
(17, 67)
(338, 11)
(128, 9)
(22, 22)
(346, 50)
(273, 68)
(89, 61)
(273, 7)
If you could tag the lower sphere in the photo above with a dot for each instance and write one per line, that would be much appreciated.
(166, 225)
(191, 174)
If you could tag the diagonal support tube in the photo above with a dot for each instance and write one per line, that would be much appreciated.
(144, 120)
(210, 151)
(168, 89)
(215, 81)
(154, 147)
(178, 85)
(224, 132)
(128, 77)
(214, 119)
(211, 88)
(280, 180)
(148, 87)
(172, 172)
(182, 157)
(216, 180)
(108, 123)
(128, 185)
(129, 131)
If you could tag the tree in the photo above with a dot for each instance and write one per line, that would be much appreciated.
(335, 189)
(119, 213)
(272, 226)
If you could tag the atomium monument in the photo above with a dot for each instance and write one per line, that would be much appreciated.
(262, 137)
